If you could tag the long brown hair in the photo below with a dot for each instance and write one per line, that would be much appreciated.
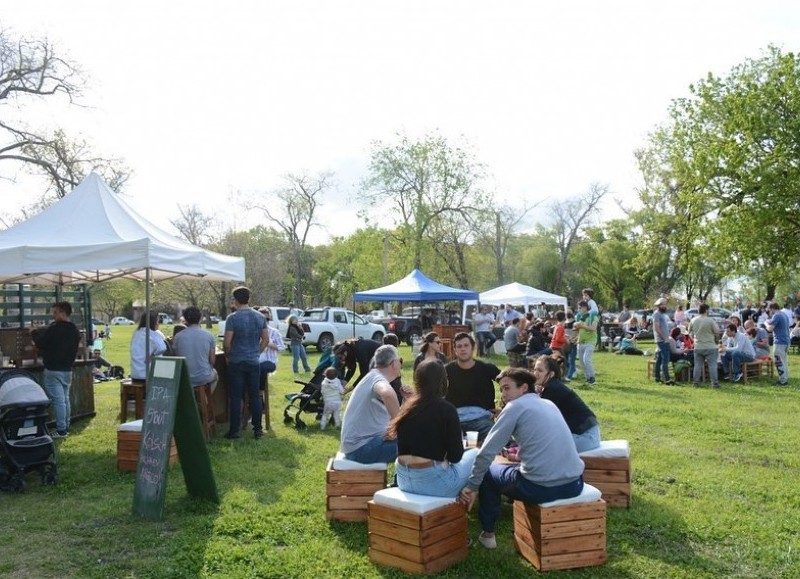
(428, 339)
(430, 384)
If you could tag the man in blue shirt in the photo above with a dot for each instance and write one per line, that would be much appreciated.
(246, 336)
(779, 326)
(661, 333)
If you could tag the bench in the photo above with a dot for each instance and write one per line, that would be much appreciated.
(350, 486)
(416, 533)
(563, 534)
(609, 469)
(758, 368)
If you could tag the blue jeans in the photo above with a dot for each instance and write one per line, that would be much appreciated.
(779, 352)
(588, 440)
(506, 479)
(662, 361)
(375, 450)
(265, 368)
(572, 356)
(485, 341)
(737, 358)
(480, 425)
(299, 354)
(243, 378)
(437, 480)
(56, 384)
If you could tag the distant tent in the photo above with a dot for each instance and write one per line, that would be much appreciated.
(517, 294)
(415, 287)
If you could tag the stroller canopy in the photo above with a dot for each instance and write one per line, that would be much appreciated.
(19, 388)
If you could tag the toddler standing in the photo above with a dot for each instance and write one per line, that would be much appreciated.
(332, 391)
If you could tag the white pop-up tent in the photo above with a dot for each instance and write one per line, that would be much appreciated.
(517, 294)
(92, 235)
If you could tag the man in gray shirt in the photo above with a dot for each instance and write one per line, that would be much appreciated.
(549, 468)
(199, 348)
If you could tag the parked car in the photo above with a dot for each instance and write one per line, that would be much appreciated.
(324, 327)
(97, 322)
(165, 318)
(122, 321)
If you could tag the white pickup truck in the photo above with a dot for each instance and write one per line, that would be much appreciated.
(326, 326)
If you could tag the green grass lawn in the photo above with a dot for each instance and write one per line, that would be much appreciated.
(715, 494)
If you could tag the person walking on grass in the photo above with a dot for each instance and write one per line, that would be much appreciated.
(705, 332)
(586, 324)
(779, 325)
(246, 336)
(59, 345)
(661, 333)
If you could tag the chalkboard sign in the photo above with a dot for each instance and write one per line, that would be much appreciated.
(170, 409)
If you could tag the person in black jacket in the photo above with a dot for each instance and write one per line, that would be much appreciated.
(355, 352)
(581, 420)
(58, 344)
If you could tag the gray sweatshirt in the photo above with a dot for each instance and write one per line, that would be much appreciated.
(546, 449)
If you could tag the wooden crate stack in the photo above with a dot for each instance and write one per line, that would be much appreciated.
(129, 437)
(349, 491)
(561, 537)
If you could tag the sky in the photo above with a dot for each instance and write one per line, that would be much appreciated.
(212, 103)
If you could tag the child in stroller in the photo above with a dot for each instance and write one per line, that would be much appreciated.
(25, 442)
(309, 399)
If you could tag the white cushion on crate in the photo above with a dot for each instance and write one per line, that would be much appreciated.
(341, 463)
(419, 504)
(589, 494)
(610, 449)
(132, 426)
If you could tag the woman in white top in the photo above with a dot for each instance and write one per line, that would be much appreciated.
(158, 346)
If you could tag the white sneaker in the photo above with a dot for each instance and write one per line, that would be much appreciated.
(647, 352)
(488, 542)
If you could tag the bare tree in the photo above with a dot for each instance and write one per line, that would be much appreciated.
(571, 215)
(192, 224)
(31, 69)
(498, 227)
(299, 199)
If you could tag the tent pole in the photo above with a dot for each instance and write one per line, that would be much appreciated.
(147, 322)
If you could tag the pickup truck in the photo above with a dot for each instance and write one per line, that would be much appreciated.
(326, 326)
(408, 325)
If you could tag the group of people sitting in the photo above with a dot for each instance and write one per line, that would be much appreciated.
(541, 425)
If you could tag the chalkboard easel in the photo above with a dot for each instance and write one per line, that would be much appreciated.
(170, 409)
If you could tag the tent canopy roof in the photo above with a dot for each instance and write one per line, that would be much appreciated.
(415, 287)
(518, 294)
(92, 235)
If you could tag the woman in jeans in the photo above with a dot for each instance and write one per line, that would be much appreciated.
(295, 335)
(431, 457)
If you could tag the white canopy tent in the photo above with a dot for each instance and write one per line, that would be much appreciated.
(92, 235)
(517, 294)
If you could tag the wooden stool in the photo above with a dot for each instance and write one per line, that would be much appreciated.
(131, 389)
(350, 486)
(202, 395)
(758, 368)
(515, 359)
(129, 437)
(609, 469)
(563, 534)
(416, 533)
(447, 348)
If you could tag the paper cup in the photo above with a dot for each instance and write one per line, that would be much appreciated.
(472, 438)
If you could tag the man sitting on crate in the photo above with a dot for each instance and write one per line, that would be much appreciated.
(199, 348)
(372, 405)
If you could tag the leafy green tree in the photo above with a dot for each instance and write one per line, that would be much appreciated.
(425, 180)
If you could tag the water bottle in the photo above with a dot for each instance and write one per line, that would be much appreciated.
(416, 344)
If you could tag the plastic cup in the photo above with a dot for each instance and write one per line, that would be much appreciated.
(472, 438)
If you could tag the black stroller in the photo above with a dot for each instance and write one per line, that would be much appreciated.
(309, 399)
(25, 442)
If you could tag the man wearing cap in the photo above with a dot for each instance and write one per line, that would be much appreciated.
(661, 333)
(246, 336)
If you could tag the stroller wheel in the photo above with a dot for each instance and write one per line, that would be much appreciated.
(50, 475)
(299, 424)
(16, 483)
(287, 419)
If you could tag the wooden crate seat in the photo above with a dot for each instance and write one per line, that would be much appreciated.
(758, 368)
(562, 534)
(129, 437)
(416, 533)
(350, 486)
(205, 407)
(609, 469)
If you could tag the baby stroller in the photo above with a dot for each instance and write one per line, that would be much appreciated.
(309, 399)
(25, 442)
